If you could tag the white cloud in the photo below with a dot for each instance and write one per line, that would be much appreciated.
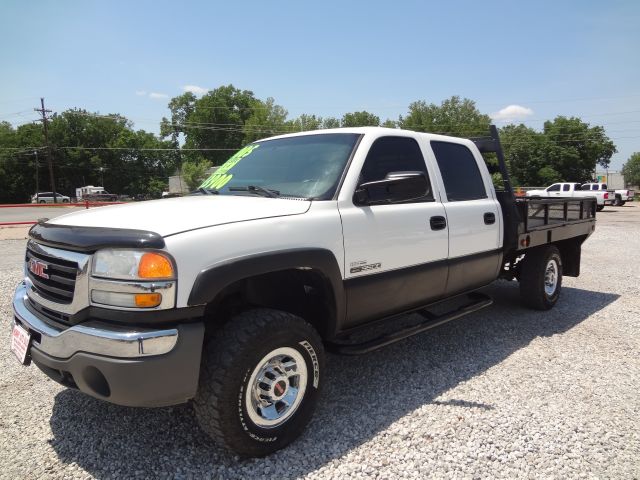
(157, 96)
(195, 89)
(511, 113)
(141, 93)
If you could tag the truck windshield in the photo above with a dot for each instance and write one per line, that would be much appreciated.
(308, 166)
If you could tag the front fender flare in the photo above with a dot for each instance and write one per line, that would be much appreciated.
(213, 280)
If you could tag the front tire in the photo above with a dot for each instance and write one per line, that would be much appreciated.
(600, 208)
(260, 381)
(541, 278)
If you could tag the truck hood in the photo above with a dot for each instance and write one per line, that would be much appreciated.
(175, 215)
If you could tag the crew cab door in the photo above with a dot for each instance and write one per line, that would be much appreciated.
(395, 254)
(554, 190)
(473, 214)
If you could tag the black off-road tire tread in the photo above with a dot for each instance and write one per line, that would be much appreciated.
(220, 351)
(532, 278)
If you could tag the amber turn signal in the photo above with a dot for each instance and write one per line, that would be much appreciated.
(148, 300)
(155, 265)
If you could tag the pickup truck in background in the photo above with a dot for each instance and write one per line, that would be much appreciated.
(610, 198)
(617, 197)
(296, 245)
(572, 189)
(623, 196)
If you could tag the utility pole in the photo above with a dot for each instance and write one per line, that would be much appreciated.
(35, 152)
(45, 125)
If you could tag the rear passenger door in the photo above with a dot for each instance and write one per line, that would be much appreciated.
(473, 215)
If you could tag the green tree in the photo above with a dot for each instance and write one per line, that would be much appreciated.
(306, 122)
(330, 122)
(454, 116)
(193, 172)
(360, 119)
(631, 170)
(574, 148)
(216, 121)
(267, 119)
(524, 151)
(388, 123)
(547, 175)
(17, 165)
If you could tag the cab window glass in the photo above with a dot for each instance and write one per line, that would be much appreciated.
(460, 173)
(393, 154)
(554, 188)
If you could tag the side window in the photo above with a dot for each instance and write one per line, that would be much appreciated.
(586, 187)
(460, 172)
(604, 186)
(393, 154)
(554, 188)
(594, 187)
(566, 187)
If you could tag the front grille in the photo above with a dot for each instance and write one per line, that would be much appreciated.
(60, 285)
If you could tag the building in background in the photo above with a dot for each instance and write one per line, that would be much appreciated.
(613, 179)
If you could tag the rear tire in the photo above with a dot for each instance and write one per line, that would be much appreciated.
(260, 381)
(600, 208)
(621, 204)
(617, 202)
(541, 278)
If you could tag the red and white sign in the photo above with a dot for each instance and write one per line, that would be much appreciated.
(20, 342)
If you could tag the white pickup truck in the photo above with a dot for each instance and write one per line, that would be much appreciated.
(617, 198)
(229, 298)
(572, 189)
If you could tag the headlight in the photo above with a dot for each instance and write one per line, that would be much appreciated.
(133, 279)
(132, 265)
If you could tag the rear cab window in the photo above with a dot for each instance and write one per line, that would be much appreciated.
(460, 173)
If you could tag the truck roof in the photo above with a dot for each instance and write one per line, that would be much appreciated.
(378, 130)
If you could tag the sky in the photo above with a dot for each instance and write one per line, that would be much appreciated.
(519, 62)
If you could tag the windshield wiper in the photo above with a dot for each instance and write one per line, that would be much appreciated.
(265, 192)
(208, 191)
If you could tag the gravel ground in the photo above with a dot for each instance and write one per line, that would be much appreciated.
(504, 393)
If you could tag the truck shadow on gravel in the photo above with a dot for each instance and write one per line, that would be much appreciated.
(109, 441)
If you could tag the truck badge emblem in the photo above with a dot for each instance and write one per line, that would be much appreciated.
(38, 268)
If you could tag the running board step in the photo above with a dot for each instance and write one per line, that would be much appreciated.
(478, 301)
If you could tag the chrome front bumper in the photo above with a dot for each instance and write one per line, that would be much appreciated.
(64, 343)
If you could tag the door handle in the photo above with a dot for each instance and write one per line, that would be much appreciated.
(438, 223)
(489, 218)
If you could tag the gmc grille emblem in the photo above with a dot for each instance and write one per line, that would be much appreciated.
(38, 268)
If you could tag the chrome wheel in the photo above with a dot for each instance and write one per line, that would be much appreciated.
(551, 278)
(276, 387)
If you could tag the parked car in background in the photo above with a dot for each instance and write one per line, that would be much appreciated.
(571, 189)
(95, 194)
(47, 197)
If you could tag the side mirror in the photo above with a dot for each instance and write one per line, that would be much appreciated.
(396, 187)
